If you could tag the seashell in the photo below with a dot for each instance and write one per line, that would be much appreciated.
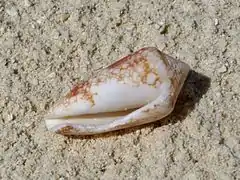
(140, 88)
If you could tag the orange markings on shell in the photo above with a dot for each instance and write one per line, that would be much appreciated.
(74, 91)
(120, 62)
(131, 63)
(83, 89)
(65, 130)
(124, 67)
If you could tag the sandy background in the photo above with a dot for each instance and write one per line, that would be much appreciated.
(47, 46)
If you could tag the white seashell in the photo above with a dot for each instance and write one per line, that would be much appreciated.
(140, 88)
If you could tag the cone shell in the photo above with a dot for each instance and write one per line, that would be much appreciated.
(140, 88)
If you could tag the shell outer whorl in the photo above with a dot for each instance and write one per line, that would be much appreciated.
(134, 69)
(147, 67)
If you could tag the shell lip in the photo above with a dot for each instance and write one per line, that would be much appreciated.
(117, 124)
(114, 118)
(103, 114)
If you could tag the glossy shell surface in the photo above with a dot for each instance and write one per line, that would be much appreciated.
(137, 89)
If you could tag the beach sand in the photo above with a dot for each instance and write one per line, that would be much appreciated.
(47, 46)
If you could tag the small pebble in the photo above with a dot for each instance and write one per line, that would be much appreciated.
(161, 23)
(28, 124)
(35, 82)
(8, 117)
(12, 11)
(55, 34)
(27, 3)
(52, 75)
(2, 30)
(211, 103)
(64, 17)
(157, 26)
(222, 69)
(218, 94)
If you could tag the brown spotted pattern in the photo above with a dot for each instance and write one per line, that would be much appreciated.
(133, 69)
(65, 130)
(84, 90)
(79, 91)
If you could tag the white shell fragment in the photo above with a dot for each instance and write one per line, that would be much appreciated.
(140, 88)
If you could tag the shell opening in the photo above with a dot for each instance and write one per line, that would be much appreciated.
(89, 119)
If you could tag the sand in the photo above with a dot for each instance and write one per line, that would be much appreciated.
(47, 46)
